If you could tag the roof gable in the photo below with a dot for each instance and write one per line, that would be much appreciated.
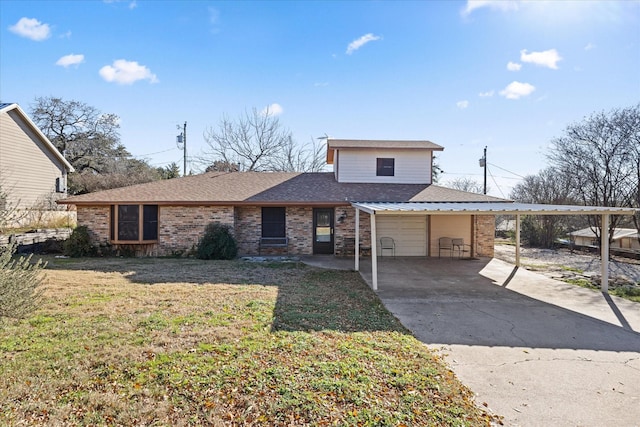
(5, 108)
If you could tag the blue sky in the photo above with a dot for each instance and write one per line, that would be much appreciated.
(510, 75)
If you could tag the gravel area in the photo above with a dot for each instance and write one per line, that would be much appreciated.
(561, 264)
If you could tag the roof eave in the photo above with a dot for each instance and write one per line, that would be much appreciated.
(41, 135)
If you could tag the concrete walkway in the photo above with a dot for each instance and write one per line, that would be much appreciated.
(537, 351)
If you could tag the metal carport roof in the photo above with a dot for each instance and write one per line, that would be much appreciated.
(483, 208)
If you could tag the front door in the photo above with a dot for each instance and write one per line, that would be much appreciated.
(323, 231)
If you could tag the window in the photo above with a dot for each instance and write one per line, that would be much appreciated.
(385, 167)
(127, 225)
(273, 222)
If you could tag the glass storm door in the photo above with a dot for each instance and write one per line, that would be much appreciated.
(323, 231)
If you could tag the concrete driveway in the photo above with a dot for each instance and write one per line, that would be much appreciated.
(537, 351)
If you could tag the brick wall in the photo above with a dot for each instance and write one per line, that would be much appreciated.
(180, 227)
(344, 234)
(248, 227)
(300, 230)
(485, 229)
(299, 226)
(96, 218)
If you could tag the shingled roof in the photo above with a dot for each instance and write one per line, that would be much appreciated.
(270, 188)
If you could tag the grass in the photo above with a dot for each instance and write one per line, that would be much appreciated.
(189, 342)
(628, 291)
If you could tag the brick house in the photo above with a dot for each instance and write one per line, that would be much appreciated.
(294, 213)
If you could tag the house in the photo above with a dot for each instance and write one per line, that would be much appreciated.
(623, 238)
(293, 213)
(33, 173)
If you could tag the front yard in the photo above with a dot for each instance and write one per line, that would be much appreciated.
(189, 342)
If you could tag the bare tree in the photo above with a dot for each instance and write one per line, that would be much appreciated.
(598, 154)
(549, 187)
(466, 184)
(306, 158)
(256, 141)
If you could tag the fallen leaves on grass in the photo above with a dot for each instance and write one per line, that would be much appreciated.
(127, 343)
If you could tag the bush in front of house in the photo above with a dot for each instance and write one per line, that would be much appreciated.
(217, 243)
(19, 284)
(79, 243)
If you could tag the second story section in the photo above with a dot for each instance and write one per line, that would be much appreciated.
(381, 161)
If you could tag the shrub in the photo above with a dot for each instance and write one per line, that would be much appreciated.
(217, 243)
(79, 243)
(19, 282)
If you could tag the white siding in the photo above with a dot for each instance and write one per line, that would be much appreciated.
(359, 165)
(28, 170)
(408, 232)
(454, 226)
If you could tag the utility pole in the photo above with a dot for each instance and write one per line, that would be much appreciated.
(483, 164)
(182, 139)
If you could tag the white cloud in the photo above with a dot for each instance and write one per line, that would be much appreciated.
(590, 46)
(548, 58)
(272, 110)
(214, 19)
(486, 94)
(516, 90)
(503, 5)
(358, 43)
(69, 60)
(513, 66)
(462, 104)
(132, 4)
(32, 29)
(321, 84)
(127, 72)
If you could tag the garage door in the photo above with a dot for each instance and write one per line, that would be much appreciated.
(408, 232)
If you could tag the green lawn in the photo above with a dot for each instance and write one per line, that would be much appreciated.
(190, 342)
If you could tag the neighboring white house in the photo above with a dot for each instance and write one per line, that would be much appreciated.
(33, 173)
(623, 238)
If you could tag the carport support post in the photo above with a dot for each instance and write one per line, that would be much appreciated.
(604, 254)
(357, 241)
(374, 254)
(517, 240)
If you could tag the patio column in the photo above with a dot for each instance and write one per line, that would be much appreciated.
(374, 254)
(357, 241)
(604, 254)
(517, 240)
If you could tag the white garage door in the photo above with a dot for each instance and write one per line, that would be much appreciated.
(408, 232)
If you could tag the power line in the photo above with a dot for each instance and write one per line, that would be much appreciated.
(478, 174)
(494, 181)
(157, 152)
(512, 173)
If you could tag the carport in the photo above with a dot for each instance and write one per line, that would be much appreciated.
(422, 209)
